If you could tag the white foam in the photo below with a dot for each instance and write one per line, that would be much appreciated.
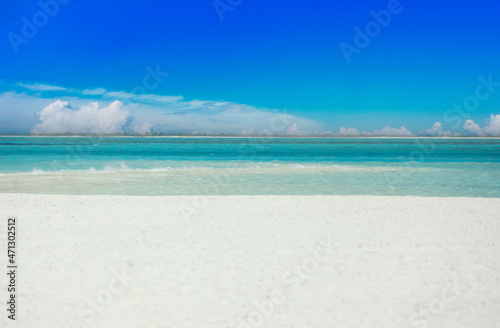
(256, 168)
(113, 168)
(38, 172)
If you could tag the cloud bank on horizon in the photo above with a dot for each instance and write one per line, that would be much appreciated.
(98, 111)
(59, 117)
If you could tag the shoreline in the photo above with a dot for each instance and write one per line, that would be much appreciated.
(36, 194)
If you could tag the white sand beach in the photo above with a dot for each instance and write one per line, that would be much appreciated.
(255, 261)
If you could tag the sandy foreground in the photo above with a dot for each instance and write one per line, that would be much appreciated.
(253, 261)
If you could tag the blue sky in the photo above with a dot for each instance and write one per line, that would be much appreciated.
(251, 67)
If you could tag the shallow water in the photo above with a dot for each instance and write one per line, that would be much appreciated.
(248, 166)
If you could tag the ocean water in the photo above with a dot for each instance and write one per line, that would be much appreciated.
(250, 166)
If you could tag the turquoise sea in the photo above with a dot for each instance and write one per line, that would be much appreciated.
(250, 166)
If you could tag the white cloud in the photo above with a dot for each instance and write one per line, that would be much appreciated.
(41, 87)
(493, 128)
(123, 96)
(348, 131)
(228, 117)
(437, 130)
(473, 128)
(133, 98)
(59, 117)
(387, 131)
(143, 128)
(94, 92)
(294, 131)
(165, 99)
(248, 132)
